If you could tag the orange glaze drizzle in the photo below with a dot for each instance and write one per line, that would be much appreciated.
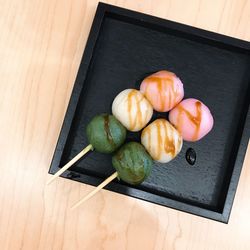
(165, 86)
(169, 144)
(149, 139)
(196, 120)
(179, 142)
(138, 118)
(159, 140)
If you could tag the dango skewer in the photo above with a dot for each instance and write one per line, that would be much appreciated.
(132, 164)
(105, 134)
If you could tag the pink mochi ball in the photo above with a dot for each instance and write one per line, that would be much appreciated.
(163, 89)
(192, 119)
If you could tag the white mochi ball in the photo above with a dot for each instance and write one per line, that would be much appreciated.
(132, 109)
(162, 141)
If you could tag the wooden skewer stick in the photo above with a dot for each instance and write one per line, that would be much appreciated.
(70, 163)
(97, 189)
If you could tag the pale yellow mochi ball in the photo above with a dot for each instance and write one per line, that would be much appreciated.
(132, 109)
(162, 141)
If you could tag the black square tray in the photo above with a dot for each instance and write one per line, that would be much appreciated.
(123, 47)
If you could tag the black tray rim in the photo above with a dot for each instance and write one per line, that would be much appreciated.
(107, 9)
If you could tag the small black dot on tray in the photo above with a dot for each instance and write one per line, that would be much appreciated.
(191, 156)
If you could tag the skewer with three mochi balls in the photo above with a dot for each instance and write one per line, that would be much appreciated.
(160, 140)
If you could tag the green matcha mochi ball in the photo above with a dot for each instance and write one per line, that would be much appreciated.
(105, 133)
(132, 163)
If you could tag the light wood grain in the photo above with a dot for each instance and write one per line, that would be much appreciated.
(41, 44)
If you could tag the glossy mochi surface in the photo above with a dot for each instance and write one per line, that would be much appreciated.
(162, 141)
(163, 89)
(132, 109)
(105, 133)
(192, 118)
(132, 163)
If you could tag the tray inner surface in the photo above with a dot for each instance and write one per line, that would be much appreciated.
(126, 52)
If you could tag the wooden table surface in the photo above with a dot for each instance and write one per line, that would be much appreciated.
(41, 44)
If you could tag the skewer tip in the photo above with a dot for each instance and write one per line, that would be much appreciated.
(70, 163)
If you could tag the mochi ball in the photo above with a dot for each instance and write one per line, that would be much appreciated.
(192, 118)
(132, 109)
(163, 89)
(162, 141)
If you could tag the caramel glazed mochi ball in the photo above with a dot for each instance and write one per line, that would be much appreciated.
(132, 109)
(163, 89)
(192, 118)
(162, 141)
